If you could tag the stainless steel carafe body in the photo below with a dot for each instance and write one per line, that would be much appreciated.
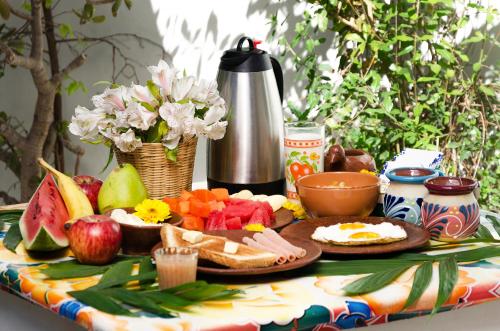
(250, 156)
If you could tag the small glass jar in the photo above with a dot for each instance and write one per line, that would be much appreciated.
(176, 266)
(450, 212)
(405, 193)
(304, 149)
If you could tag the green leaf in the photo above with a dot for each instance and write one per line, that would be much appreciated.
(476, 66)
(496, 225)
(354, 37)
(145, 266)
(427, 79)
(99, 19)
(124, 280)
(171, 154)
(406, 50)
(421, 281)
(155, 91)
(10, 216)
(448, 276)
(110, 158)
(128, 3)
(435, 68)
(157, 132)
(168, 300)
(100, 301)
(483, 233)
(355, 267)
(66, 30)
(73, 269)
(12, 238)
(403, 37)
(137, 300)
(114, 8)
(486, 90)
(4, 9)
(374, 281)
(115, 273)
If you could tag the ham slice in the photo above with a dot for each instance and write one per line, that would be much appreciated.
(281, 258)
(274, 247)
(274, 237)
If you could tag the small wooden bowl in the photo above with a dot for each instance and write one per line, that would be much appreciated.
(138, 240)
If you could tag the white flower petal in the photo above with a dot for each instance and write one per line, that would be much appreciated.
(181, 87)
(127, 142)
(163, 76)
(112, 99)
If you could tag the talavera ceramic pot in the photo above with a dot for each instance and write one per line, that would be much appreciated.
(406, 192)
(450, 212)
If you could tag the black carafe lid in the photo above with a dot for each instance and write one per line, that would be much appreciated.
(249, 59)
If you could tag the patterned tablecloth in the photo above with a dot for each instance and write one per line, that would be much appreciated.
(281, 303)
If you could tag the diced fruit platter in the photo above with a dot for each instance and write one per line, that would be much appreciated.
(211, 210)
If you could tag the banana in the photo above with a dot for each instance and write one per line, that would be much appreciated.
(76, 201)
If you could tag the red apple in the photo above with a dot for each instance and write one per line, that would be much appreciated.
(94, 239)
(90, 186)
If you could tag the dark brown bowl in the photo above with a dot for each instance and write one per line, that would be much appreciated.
(358, 199)
(138, 240)
(450, 185)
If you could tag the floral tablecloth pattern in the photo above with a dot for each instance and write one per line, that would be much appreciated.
(312, 302)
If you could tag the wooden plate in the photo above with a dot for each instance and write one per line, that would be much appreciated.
(283, 218)
(417, 236)
(207, 267)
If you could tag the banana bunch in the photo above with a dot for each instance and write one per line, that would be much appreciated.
(76, 201)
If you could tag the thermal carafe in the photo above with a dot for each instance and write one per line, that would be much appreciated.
(250, 156)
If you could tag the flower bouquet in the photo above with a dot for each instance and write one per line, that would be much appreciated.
(155, 127)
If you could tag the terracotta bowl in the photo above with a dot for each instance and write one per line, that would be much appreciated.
(138, 240)
(359, 198)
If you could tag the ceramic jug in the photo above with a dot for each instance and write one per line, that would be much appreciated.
(406, 192)
(355, 160)
(450, 212)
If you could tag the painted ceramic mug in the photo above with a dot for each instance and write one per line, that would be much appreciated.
(406, 192)
(450, 212)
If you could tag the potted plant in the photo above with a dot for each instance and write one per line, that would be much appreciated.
(155, 127)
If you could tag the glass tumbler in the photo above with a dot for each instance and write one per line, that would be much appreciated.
(176, 266)
(304, 149)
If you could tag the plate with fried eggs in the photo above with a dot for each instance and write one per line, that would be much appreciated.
(359, 235)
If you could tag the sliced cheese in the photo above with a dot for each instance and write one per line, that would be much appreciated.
(192, 237)
(276, 201)
(230, 247)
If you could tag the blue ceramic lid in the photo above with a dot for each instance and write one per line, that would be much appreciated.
(411, 175)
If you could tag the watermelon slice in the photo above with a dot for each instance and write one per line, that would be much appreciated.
(216, 221)
(42, 223)
(260, 216)
(233, 223)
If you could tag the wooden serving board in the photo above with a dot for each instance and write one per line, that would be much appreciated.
(313, 253)
(416, 236)
(283, 218)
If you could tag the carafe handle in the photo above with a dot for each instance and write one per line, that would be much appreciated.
(278, 73)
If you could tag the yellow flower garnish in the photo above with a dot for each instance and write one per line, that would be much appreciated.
(152, 211)
(368, 172)
(255, 227)
(298, 211)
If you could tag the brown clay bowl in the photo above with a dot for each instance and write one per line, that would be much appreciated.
(137, 239)
(358, 198)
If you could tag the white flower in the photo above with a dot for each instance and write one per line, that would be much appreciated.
(171, 143)
(179, 118)
(204, 92)
(85, 123)
(112, 99)
(214, 114)
(127, 142)
(181, 87)
(143, 94)
(213, 131)
(163, 76)
(385, 83)
(139, 117)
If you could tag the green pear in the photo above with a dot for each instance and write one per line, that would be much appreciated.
(122, 189)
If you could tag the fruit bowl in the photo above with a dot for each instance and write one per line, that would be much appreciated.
(139, 239)
(338, 193)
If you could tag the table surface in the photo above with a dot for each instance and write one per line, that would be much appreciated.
(272, 303)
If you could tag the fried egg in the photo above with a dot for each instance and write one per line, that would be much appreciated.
(357, 233)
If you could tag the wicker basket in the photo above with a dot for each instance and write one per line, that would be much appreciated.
(162, 177)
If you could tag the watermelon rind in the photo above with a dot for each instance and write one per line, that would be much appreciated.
(44, 242)
(42, 222)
